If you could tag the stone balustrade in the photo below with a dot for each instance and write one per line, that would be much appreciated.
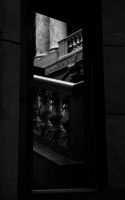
(51, 116)
(57, 105)
(71, 43)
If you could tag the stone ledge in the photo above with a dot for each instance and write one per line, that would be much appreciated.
(51, 155)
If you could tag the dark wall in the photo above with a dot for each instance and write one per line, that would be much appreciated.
(113, 27)
(9, 96)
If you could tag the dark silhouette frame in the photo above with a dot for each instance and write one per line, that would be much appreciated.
(94, 96)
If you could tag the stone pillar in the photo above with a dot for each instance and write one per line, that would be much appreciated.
(42, 34)
(58, 31)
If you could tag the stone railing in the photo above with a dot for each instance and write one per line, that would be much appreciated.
(71, 43)
(51, 116)
(57, 105)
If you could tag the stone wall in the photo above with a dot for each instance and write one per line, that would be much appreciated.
(42, 34)
(113, 27)
(48, 32)
(9, 96)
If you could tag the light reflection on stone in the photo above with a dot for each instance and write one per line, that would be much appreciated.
(42, 34)
(58, 31)
(48, 32)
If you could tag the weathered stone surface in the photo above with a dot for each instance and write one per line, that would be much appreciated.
(48, 32)
(113, 22)
(58, 31)
(42, 34)
(114, 78)
(115, 127)
(49, 59)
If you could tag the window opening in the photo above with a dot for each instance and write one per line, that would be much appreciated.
(54, 116)
(58, 104)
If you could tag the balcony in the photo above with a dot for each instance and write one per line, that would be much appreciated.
(71, 43)
(69, 49)
(58, 116)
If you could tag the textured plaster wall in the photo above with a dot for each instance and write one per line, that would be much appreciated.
(9, 96)
(113, 27)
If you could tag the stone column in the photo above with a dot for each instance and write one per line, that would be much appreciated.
(58, 31)
(42, 34)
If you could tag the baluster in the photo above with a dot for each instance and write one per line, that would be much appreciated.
(81, 41)
(43, 113)
(35, 104)
(64, 122)
(77, 42)
(52, 117)
(65, 112)
(74, 43)
(49, 134)
(40, 96)
(36, 119)
(52, 108)
(70, 46)
(49, 126)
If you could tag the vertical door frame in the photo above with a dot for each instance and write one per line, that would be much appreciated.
(95, 132)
